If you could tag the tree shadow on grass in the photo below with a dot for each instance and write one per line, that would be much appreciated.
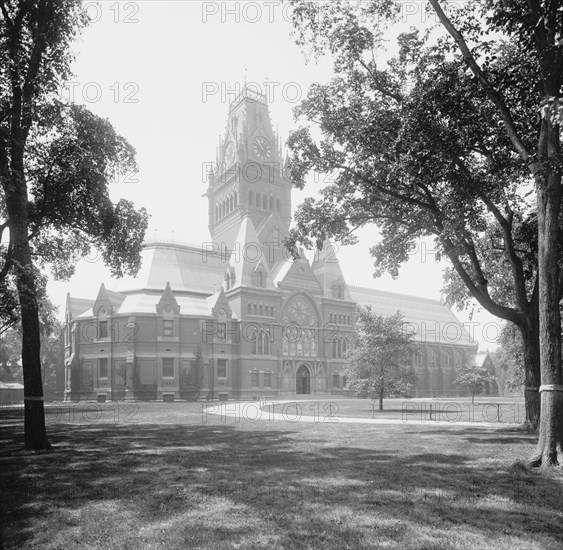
(226, 484)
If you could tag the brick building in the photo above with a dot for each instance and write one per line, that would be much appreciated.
(235, 318)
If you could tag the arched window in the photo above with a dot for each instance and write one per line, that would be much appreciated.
(261, 281)
(249, 309)
(446, 359)
(344, 346)
(250, 198)
(272, 204)
(418, 358)
(236, 198)
(217, 213)
(339, 348)
(231, 203)
(254, 309)
(266, 343)
(254, 342)
(278, 204)
(265, 203)
(334, 350)
(276, 236)
(258, 201)
(271, 312)
(260, 309)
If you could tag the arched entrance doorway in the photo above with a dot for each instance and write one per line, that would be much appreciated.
(303, 380)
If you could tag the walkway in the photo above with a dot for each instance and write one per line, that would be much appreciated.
(292, 412)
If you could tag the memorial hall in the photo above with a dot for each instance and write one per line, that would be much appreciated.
(237, 317)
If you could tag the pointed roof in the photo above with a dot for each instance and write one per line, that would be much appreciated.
(108, 298)
(247, 259)
(76, 306)
(218, 302)
(296, 274)
(168, 299)
(327, 270)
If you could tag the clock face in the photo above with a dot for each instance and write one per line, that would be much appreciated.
(230, 153)
(261, 148)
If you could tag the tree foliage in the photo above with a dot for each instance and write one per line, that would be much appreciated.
(56, 162)
(443, 140)
(375, 365)
(474, 379)
(510, 357)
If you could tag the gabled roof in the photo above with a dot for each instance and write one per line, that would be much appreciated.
(478, 360)
(296, 274)
(76, 306)
(248, 257)
(109, 298)
(217, 302)
(327, 271)
(168, 299)
(430, 321)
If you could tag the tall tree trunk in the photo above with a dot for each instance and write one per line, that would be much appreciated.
(381, 400)
(549, 450)
(16, 204)
(532, 375)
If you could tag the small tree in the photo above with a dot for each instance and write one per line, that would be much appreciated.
(473, 379)
(375, 363)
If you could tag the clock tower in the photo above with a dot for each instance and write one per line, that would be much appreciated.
(249, 178)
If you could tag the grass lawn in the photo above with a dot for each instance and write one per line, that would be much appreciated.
(156, 475)
(490, 410)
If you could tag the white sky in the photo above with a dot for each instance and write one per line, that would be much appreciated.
(150, 62)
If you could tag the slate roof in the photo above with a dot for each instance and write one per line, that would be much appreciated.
(78, 305)
(140, 303)
(195, 274)
(188, 268)
(430, 321)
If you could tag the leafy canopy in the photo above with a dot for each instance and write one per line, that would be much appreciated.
(376, 363)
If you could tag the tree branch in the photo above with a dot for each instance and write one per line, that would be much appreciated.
(491, 92)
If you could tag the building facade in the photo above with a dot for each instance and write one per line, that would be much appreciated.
(237, 318)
